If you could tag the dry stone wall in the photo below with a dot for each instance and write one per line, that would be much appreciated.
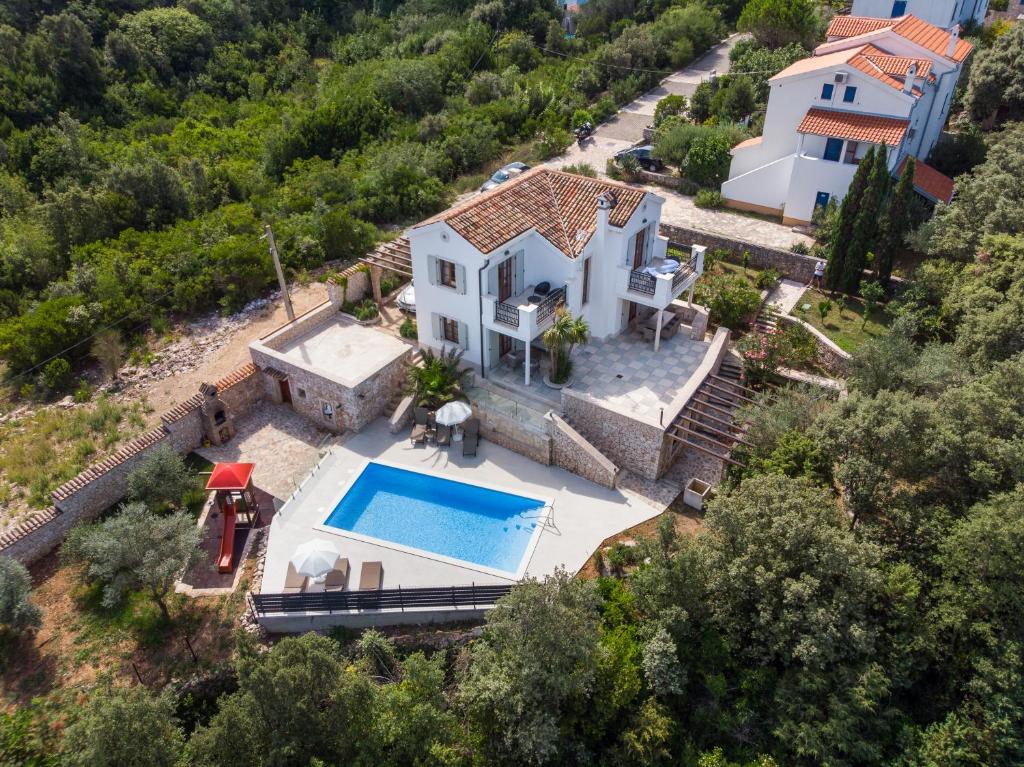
(572, 452)
(792, 265)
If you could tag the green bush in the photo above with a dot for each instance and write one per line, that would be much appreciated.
(364, 311)
(801, 345)
(708, 198)
(17, 612)
(731, 301)
(767, 278)
(408, 328)
(581, 169)
(56, 376)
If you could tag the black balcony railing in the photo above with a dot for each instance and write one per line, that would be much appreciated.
(439, 597)
(506, 314)
(551, 302)
(642, 282)
(683, 272)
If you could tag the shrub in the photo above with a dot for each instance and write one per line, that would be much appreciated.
(581, 169)
(408, 328)
(762, 355)
(630, 166)
(581, 116)
(161, 479)
(612, 169)
(552, 143)
(708, 160)
(767, 278)
(800, 248)
(670, 106)
(366, 310)
(708, 198)
(730, 300)
(801, 345)
(56, 376)
(17, 613)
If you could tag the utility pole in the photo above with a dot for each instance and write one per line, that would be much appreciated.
(268, 234)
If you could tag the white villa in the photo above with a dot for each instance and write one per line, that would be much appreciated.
(941, 13)
(491, 273)
(875, 81)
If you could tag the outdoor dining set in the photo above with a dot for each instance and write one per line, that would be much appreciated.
(450, 423)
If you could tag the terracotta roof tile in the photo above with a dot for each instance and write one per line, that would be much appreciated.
(896, 66)
(931, 37)
(30, 525)
(930, 182)
(756, 141)
(853, 126)
(865, 64)
(851, 26)
(237, 376)
(558, 205)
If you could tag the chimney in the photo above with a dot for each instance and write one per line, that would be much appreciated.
(605, 202)
(954, 37)
(908, 84)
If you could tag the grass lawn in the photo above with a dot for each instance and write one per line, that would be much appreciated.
(847, 328)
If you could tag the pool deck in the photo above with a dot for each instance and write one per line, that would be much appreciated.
(583, 514)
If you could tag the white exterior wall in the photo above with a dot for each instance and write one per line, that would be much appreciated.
(471, 304)
(941, 13)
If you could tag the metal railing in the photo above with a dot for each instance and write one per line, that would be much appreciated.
(642, 282)
(684, 272)
(383, 599)
(506, 313)
(551, 302)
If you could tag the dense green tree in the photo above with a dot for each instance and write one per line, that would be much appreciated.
(160, 479)
(17, 612)
(707, 162)
(866, 225)
(776, 23)
(171, 41)
(136, 549)
(842, 233)
(295, 704)
(996, 84)
(895, 222)
(123, 727)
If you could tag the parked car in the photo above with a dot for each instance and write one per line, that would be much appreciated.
(504, 174)
(407, 299)
(644, 155)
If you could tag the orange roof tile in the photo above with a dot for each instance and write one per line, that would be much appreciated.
(896, 66)
(930, 182)
(931, 37)
(749, 142)
(558, 205)
(851, 26)
(854, 126)
(864, 64)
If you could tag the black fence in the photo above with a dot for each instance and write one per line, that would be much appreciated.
(440, 597)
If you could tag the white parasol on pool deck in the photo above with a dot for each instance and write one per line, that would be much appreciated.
(314, 558)
(453, 413)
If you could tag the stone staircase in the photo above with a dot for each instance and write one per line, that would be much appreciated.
(767, 320)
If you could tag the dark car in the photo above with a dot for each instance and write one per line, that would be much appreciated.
(644, 155)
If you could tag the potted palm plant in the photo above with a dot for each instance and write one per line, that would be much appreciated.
(560, 339)
(439, 380)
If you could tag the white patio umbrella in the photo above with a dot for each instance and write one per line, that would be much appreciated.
(314, 558)
(453, 413)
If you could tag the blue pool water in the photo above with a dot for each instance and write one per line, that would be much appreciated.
(454, 519)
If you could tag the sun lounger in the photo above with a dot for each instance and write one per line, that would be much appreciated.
(471, 436)
(444, 435)
(370, 576)
(420, 430)
(337, 579)
(293, 582)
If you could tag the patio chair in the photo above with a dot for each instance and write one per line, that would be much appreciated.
(420, 429)
(370, 576)
(293, 582)
(444, 435)
(470, 436)
(337, 579)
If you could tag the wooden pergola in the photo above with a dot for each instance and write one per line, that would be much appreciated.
(394, 256)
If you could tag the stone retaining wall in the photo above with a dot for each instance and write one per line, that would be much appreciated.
(830, 357)
(512, 435)
(572, 452)
(97, 488)
(793, 265)
(630, 443)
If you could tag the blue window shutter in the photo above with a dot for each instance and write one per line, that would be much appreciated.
(849, 94)
(826, 91)
(833, 149)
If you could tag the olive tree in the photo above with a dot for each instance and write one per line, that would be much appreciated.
(160, 479)
(137, 550)
(17, 613)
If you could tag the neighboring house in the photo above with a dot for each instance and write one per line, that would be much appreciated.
(941, 13)
(491, 273)
(875, 81)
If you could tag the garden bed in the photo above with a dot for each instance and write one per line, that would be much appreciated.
(844, 326)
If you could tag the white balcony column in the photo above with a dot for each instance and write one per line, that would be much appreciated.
(526, 366)
(657, 330)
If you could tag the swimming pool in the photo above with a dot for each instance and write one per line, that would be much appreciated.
(477, 525)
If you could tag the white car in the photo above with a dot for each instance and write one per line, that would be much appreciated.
(407, 299)
(504, 174)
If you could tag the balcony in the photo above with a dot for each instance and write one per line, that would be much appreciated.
(524, 316)
(651, 286)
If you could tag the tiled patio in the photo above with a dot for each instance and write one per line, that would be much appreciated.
(624, 372)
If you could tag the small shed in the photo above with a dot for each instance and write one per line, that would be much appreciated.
(232, 482)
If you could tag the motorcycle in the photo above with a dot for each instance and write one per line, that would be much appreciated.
(583, 132)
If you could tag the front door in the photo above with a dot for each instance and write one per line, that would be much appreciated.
(505, 280)
(504, 344)
(286, 393)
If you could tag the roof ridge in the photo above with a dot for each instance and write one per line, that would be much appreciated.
(561, 215)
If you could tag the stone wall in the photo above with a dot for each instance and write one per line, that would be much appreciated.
(371, 398)
(792, 265)
(629, 443)
(830, 357)
(301, 325)
(572, 452)
(102, 485)
(513, 435)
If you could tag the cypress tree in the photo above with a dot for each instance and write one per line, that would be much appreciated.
(843, 230)
(896, 222)
(866, 226)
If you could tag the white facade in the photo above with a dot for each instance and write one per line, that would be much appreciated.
(941, 13)
(461, 301)
(790, 172)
